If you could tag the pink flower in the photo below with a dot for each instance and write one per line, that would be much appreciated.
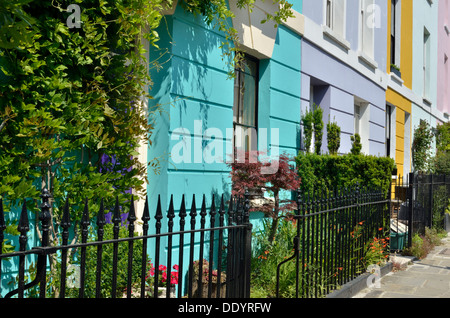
(174, 278)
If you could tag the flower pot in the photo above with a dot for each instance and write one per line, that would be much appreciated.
(396, 72)
(398, 240)
(162, 292)
(136, 292)
(205, 286)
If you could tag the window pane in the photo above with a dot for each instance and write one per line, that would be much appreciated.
(338, 16)
(329, 14)
(236, 98)
(249, 101)
(245, 103)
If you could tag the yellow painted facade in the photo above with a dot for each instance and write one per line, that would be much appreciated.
(393, 97)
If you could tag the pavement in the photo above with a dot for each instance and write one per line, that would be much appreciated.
(426, 278)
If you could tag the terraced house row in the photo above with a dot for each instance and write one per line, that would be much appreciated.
(376, 67)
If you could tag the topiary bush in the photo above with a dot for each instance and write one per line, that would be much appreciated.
(333, 137)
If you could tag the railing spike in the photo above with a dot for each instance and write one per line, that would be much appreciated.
(132, 214)
(182, 212)
(146, 213)
(193, 212)
(170, 212)
(85, 217)
(212, 212)
(24, 224)
(65, 222)
(158, 215)
(116, 214)
(101, 215)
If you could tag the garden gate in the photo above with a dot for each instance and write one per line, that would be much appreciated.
(218, 264)
(419, 201)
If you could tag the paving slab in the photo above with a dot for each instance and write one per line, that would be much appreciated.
(427, 278)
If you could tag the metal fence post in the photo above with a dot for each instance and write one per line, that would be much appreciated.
(2, 236)
(430, 214)
(411, 208)
(45, 223)
(248, 244)
(23, 228)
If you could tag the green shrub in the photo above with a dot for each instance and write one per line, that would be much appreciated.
(318, 128)
(356, 144)
(333, 137)
(307, 121)
(107, 263)
(330, 172)
(421, 245)
(267, 256)
(423, 138)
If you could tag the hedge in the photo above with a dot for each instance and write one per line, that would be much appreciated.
(338, 171)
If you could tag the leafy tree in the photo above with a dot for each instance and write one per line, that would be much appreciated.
(423, 138)
(248, 175)
(71, 111)
(441, 162)
(16, 26)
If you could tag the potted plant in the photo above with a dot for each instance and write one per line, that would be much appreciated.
(163, 280)
(206, 281)
(396, 70)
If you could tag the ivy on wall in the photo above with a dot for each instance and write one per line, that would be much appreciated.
(72, 84)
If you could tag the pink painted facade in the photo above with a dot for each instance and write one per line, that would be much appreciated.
(443, 83)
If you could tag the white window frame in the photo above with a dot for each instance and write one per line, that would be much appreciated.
(397, 29)
(333, 22)
(366, 33)
(362, 122)
(332, 27)
(426, 63)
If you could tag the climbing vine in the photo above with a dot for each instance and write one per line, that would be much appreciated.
(71, 116)
(218, 13)
(71, 111)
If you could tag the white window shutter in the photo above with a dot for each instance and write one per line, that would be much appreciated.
(368, 26)
(339, 17)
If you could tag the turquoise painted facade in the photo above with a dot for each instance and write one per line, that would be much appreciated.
(196, 96)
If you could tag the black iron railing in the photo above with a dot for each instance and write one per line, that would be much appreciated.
(419, 201)
(333, 229)
(217, 263)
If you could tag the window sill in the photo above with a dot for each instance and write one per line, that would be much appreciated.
(427, 101)
(335, 37)
(368, 60)
(396, 79)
